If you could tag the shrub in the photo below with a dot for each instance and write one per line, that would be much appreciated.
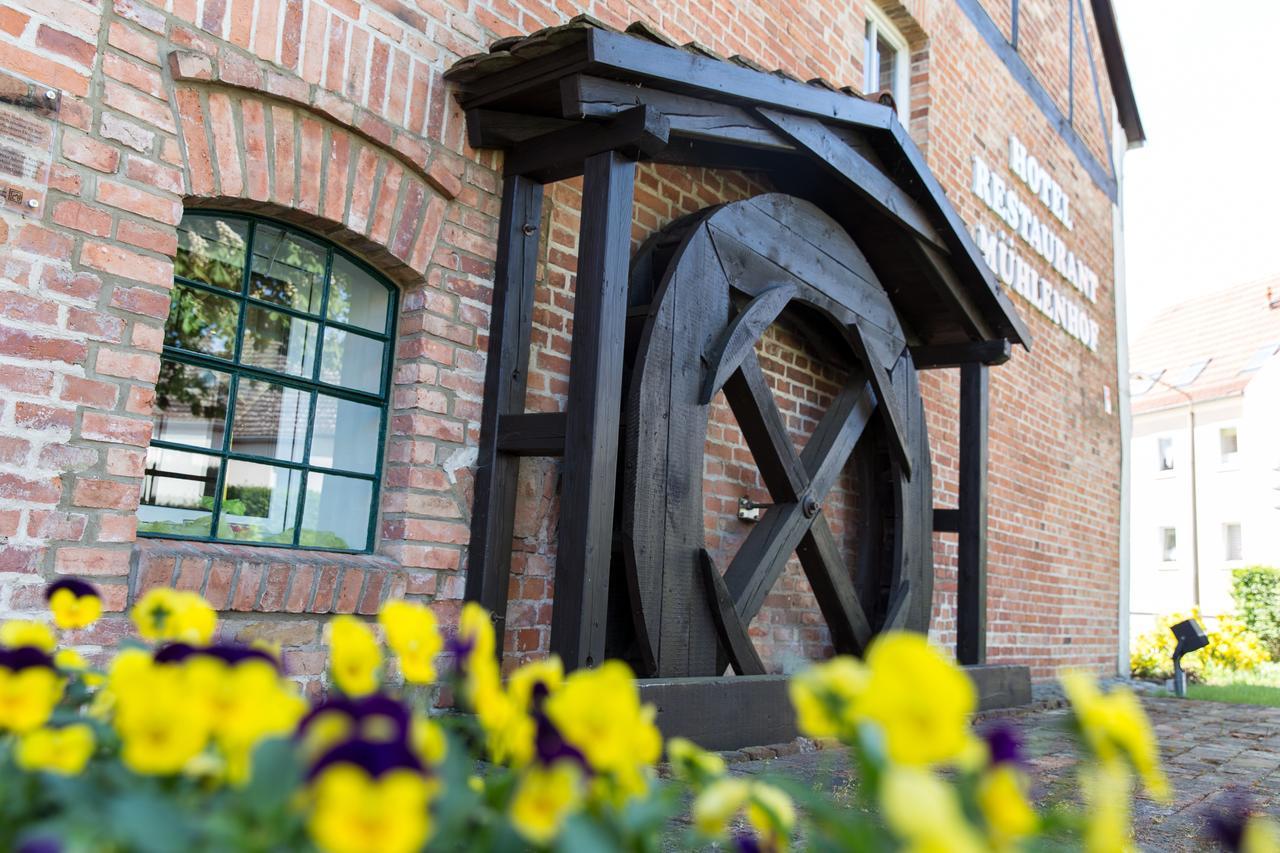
(1256, 590)
(1232, 646)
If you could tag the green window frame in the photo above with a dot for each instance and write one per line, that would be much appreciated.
(272, 401)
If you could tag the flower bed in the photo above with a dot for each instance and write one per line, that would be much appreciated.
(185, 744)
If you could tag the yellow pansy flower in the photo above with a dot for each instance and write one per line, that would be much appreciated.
(1002, 799)
(354, 656)
(692, 764)
(509, 731)
(919, 699)
(772, 815)
(824, 696)
(165, 614)
(716, 806)
(547, 673)
(413, 634)
(63, 751)
(1261, 835)
(28, 695)
(161, 714)
(1107, 787)
(925, 813)
(1115, 726)
(73, 603)
(23, 633)
(545, 797)
(351, 812)
(427, 741)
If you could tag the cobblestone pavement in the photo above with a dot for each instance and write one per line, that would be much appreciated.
(1212, 752)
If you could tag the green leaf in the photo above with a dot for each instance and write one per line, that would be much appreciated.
(150, 823)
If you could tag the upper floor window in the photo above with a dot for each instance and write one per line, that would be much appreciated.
(886, 61)
(271, 403)
(1232, 543)
(1168, 544)
(1165, 458)
(1228, 445)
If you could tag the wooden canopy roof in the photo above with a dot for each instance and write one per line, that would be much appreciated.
(559, 95)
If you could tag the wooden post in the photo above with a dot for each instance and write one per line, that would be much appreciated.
(579, 609)
(971, 592)
(506, 377)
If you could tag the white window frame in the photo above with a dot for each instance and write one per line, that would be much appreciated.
(1173, 456)
(1167, 560)
(901, 86)
(1226, 542)
(1232, 459)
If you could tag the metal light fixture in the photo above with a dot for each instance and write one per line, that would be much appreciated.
(1191, 636)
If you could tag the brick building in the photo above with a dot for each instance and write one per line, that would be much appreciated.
(246, 278)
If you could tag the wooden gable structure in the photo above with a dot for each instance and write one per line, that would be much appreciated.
(859, 241)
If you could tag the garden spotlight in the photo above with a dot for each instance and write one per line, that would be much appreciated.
(1191, 637)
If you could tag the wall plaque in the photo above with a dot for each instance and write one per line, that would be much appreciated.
(29, 114)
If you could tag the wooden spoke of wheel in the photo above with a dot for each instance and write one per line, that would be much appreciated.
(798, 483)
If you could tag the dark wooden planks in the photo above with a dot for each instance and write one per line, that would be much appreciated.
(741, 335)
(506, 378)
(580, 607)
(889, 408)
(860, 174)
(756, 412)
(946, 520)
(561, 153)
(497, 129)
(589, 97)
(723, 713)
(1001, 685)
(990, 353)
(912, 505)
(532, 434)
(833, 588)
(734, 640)
(971, 576)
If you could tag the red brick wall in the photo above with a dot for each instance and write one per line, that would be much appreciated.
(333, 114)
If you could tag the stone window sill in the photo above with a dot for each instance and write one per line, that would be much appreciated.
(266, 580)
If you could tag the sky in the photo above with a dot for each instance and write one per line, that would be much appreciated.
(1202, 197)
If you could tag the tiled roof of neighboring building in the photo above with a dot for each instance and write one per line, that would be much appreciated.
(1209, 347)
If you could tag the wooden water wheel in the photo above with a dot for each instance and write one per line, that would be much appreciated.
(702, 292)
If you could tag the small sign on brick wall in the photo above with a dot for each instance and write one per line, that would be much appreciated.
(29, 115)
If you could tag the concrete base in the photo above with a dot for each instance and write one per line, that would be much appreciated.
(733, 712)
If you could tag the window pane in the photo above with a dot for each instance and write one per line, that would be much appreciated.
(1229, 444)
(202, 322)
(270, 420)
(211, 250)
(1168, 544)
(1166, 460)
(1234, 545)
(887, 59)
(869, 67)
(352, 361)
(177, 492)
(259, 502)
(191, 405)
(346, 435)
(337, 512)
(287, 269)
(355, 298)
(279, 342)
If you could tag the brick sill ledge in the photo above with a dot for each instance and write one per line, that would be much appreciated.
(250, 578)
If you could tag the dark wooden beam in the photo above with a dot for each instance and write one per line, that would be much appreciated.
(857, 172)
(532, 434)
(971, 580)
(734, 640)
(497, 129)
(560, 154)
(580, 608)
(585, 97)
(832, 584)
(888, 404)
(506, 378)
(754, 408)
(741, 335)
(946, 520)
(990, 353)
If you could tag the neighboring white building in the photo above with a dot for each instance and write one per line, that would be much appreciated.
(1214, 361)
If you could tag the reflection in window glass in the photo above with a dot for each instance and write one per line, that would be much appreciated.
(345, 435)
(355, 298)
(1168, 544)
(211, 251)
(1228, 444)
(270, 420)
(259, 502)
(1165, 457)
(202, 322)
(279, 342)
(352, 361)
(178, 489)
(191, 405)
(288, 269)
(336, 514)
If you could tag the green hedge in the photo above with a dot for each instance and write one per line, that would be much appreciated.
(1256, 590)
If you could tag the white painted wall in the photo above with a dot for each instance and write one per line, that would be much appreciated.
(1245, 491)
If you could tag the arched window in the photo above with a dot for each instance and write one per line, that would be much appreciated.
(271, 404)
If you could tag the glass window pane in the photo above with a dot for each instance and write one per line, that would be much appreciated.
(191, 405)
(887, 57)
(177, 492)
(355, 297)
(211, 250)
(270, 420)
(346, 435)
(202, 322)
(336, 514)
(288, 269)
(352, 361)
(259, 502)
(279, 342)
